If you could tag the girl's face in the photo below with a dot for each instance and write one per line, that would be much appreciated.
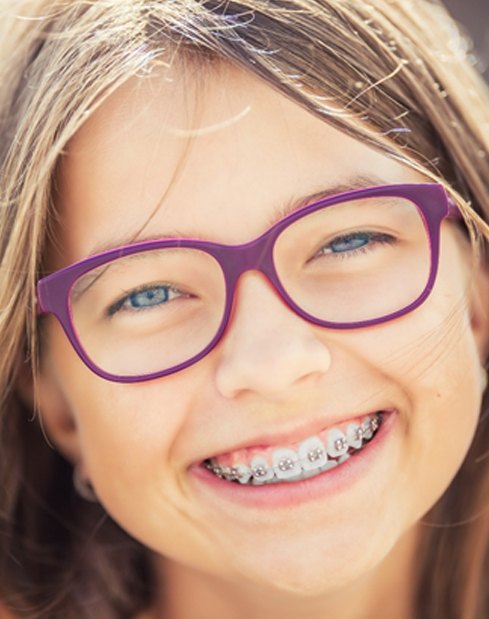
(221, 161)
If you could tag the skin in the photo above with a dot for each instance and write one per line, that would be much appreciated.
(222, 169)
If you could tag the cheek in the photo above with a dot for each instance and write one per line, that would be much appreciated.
(132, 443)
(131, 431)
(435, 345)
(135, 444)
(127, 433)
(436, 363)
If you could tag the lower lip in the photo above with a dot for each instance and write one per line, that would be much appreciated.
(285, 494)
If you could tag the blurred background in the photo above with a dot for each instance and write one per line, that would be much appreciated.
(474, 17)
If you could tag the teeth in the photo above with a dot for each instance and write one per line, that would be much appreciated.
(367, 428)
(354, 435)
(375, 423)
(312, 454)
(261, 471)
(330, 464)
(285, 463)
(337, 443)
(217, 471)
(311, 458)
(241, 473)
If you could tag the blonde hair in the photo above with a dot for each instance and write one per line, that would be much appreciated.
(371, 69)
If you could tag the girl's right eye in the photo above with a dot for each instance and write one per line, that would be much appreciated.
(144, 299)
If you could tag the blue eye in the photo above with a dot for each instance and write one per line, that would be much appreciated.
(144, 298)
(350, 242)
(356, 242)
(149, 297)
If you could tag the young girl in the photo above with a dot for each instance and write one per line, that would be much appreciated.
(243, 311)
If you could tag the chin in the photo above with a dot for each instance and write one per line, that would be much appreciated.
(305, 577)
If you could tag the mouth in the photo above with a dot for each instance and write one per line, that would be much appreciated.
(311, 457)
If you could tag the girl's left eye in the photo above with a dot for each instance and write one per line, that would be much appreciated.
(353, 242)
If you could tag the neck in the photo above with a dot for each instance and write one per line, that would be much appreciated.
(384, 592)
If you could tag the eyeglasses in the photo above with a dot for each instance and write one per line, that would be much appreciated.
(153, 308)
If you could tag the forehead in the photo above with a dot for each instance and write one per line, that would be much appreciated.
(212, 155)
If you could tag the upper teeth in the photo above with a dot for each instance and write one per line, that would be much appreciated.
(312, 456)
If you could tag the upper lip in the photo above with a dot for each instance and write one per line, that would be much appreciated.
(277, 437)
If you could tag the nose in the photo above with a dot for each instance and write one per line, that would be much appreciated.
(267, 349)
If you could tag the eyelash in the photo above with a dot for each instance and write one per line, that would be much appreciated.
(119, 305)
(373, 239)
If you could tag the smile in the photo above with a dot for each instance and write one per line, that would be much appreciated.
(309, 458)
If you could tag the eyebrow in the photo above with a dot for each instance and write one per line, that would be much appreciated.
(357, 182)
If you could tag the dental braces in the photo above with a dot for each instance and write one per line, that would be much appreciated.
(364, 434)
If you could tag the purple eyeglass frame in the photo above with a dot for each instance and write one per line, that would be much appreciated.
(53, 291)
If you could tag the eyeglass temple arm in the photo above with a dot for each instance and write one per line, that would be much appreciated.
(40, 310)
(453, 210)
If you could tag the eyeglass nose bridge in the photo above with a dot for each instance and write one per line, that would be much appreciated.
(256, 255)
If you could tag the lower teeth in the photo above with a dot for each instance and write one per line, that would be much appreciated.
(247, 476)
